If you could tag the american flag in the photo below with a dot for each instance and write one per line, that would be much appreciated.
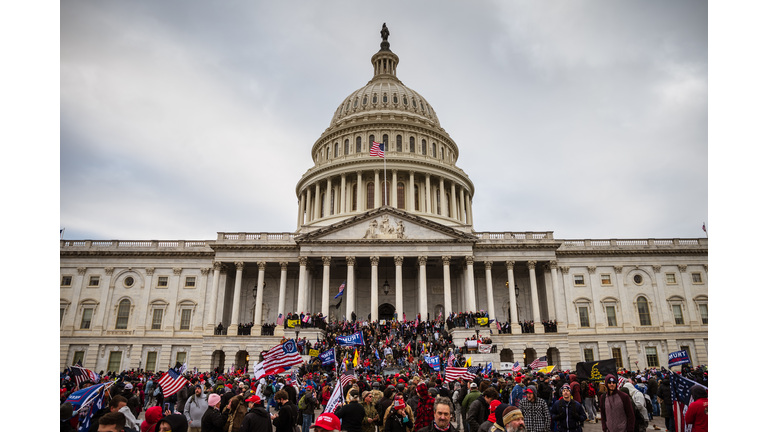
(171, 382)
(539, 363)
(280, 319)
(341, 290)
(281, 356)
(516, 367)
(347, 378)
(451, 359)
(456, 373)
(621, 382)
(81, 374)
(377, 149)
(474, 369)
(681, 396)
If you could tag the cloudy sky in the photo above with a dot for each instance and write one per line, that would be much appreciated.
(183, 118)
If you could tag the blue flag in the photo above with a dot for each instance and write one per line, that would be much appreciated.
(678, 358)
(327, 357)
(341, 290)
(434, 362)
(351, 340)
(488, 367)
(88, 401)
(377, 354)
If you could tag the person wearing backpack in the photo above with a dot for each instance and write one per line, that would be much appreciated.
(307, 405)
(589, 400)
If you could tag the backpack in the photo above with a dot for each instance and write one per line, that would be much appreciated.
(648, 404)
(266, 389)
(303, 403)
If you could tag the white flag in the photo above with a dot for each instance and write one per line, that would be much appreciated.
(258, 370)
(336, 399)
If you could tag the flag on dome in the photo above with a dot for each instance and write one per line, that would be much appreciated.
(377, 149)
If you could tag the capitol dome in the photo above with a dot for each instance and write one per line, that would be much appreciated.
(420, 175)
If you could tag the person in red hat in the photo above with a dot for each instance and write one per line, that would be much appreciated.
(397, 418)
(327, 422)
(257, 419)
(425, 409)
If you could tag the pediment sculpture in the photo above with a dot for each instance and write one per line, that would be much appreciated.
(385, 230)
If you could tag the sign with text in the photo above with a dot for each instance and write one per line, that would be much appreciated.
(351, 340)
(293, 323)
(434, 362)
(314, 353)
(596, 370)
(678, 358)
(327, 357)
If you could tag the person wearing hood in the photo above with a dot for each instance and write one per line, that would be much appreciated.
(425, 407)
(568, 413)
(664, 395)
(172, 423)
(234, 413)
(257, 419)
(616, 412)
(639, 400)
(697, 411)
(195, 408)
(535, 411)
(151, 417)
(212, 420)
(575, 388)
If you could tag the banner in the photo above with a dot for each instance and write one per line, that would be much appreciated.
(596, 370)
(434, 362)
(327, 357)
(547, 369)
(482, 321)
(505, 366)
(351, 340)
(471, 344)
(314, 353)
(336, 399)
(484, 348)
(293, 323)
(678, 358)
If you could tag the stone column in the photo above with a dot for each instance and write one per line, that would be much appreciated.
(300, 222)
(199, 312)
(360, 204)
(470, 285)
(462, 213)
(283, 282)
(661, 307)
(317, 201)
(489, 290)
(376, 190)
(343, 195)
(512, 298)
(428, 195)
(595, 283)
(232, 330)
(259, 298)
(393, 191)
(693, 319)
(399, 287)
(626, 318)
(327, 203)
(570, 316)
(100, 319)
(221, 291)
(326, 285)
(423, 307)
(77, 285)
(350, 286)
(301, 297)
(374, 288)
(441, 194)
(410, 195)
(447, 285)
(556, 292)
(469, 210)
(454, 210)
(308, 204)
(169, 321)
(538, 327)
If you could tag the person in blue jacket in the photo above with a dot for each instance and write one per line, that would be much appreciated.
(568, 414)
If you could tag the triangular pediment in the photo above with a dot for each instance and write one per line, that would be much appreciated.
(386, 224)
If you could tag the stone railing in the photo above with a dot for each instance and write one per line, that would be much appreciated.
(133, 244)
(258, 237)
(515, 236)
(633, 242)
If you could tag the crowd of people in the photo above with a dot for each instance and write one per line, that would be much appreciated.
(405, 401)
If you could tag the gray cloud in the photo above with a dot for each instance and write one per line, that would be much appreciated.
(180, 119)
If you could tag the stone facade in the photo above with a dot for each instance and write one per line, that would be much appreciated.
(140, 302)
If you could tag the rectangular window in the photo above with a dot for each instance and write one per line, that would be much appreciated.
(671, 278)
(162, 281)
(157, 319)
(589, 356)
(190, 283)
(616, 353)
(93, 281)
(677, 310)
(605, 279)
(704, 314)
(115, 357)
(66, 280)
(85, 323)
(186, 317)
(584, 316)
(181, 357)
(696, 277)
(610, 313)
(651, 357)
(687, 350)
(151, 361)
(61, 315)
(578, 279)
(79, 356)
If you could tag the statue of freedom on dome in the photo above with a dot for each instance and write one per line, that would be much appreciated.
(384, 32)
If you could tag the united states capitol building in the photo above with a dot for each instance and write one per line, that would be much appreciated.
(404, 242)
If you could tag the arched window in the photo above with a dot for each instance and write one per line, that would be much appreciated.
(123, 312)
(354, 197)
(322, 204)
(369, 202)
(424, 147)
(384, 98)
(336, 150)
(437, 201)
(434, 150)
(370, 141)
(401, 195)
(385, 138)
(327, 153)
(448, 204)
(333, 201)
(399, 145)
(643, 311)
(416, 196)
(358, 145)
(442, 153)
(386, 193)
(413, 145)
(346, 147)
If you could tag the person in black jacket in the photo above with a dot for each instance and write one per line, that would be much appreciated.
(545, 390)
(567, 412)
(257, 419)
(352, 414)
(286, 417)
(212, 420)
(172, 422)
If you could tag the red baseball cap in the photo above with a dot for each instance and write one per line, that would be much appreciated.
(327, 421)
(254, 399)
(398, 404)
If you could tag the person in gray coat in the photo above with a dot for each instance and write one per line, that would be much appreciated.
(194, 409)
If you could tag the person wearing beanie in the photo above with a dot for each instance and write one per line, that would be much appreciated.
(616, 412)
(151, 417)
(172, 423)
(697, 415)
(511, 419)
(535, 411)
(65, 414)
(425, 408)
(568, 413)
(194, 409)
(212, 420)
(257, 419)
(399, 417)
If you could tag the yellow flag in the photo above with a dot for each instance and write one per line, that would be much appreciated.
(354, 361)
(469, 362)
(547, 369)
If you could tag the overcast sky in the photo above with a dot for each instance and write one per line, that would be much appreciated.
(183, 118)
